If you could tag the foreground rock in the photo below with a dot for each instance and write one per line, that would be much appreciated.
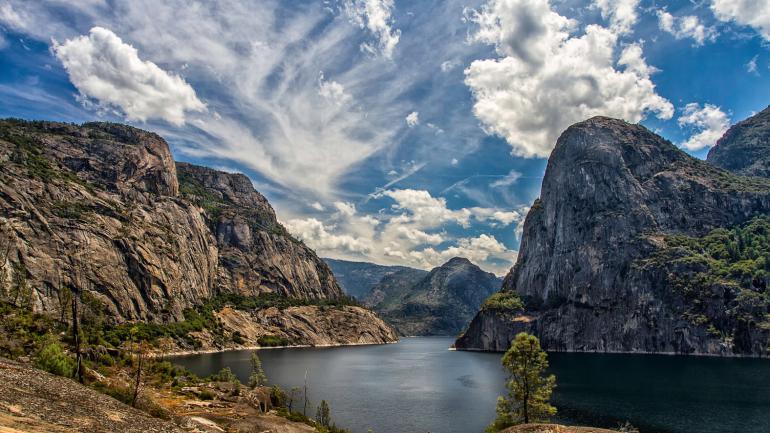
(608, 260)
(35, 401)
(440, 302)
(101, 209)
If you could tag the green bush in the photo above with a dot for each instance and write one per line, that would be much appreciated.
(272, 341)
(53, 359)
(206, 395)
(504, 301)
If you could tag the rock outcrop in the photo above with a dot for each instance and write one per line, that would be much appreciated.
(101, 209)
(745, 148)
(439, 303)
(614, 198)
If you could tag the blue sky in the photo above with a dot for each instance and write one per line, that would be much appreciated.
(398, 132)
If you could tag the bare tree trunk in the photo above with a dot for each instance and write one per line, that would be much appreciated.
(138, 380)
(76, 338)
(304, 406)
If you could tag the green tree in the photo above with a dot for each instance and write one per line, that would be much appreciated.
(257, 377)
(529, 389)
(323, 414)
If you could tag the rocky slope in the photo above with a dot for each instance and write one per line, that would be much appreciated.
(99, 209)
(439, 303)
(745, 148)
(607, 262)
(358, 279)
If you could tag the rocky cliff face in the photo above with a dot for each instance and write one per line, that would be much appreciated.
(256, 253)
(99, 209)
(358, 279)
(614, 199)
(745, 148)
(439, 303)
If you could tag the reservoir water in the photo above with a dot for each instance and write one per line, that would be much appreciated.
(419, 386)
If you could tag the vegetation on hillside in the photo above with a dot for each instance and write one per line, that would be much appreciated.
(503, 301)
(729, 264)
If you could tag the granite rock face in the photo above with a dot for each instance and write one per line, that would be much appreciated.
(441, 302)
(611, 195)
(103, 210)
(256, 253)
(745, 148)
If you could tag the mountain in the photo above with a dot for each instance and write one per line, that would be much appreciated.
(634, 246)
(439, 303)
(745, 148)
(357, 279)
(103, 209)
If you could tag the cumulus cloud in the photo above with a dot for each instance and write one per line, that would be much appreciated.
(376, 17)
(708, 122)
(319, 236)
(685, 27)
(411, 232)
(547, 79)
(754, 13)
(620, 13)
(413, 119)
(478, 250)
(101, 66)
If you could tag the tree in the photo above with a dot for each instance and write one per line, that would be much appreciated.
(529, 389)
(257, 377)
(293, 393)
(323, 414)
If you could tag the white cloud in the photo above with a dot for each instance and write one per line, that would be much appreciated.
(620, 13)
(754, 13)
(413, 119)
(478, 250)
(332, 91)
(375, 16)
(709, 123)
(103, 67)
(454, 161)
(507, 180)
(317, 206)
(546, 79)
(411, 232)
(751, 66)
(448, 65)
(685, 27)
(319, 237)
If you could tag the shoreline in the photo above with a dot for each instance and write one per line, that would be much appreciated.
(182, 353)
(619, 352)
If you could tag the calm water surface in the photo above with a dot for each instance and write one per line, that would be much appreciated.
(417, 386)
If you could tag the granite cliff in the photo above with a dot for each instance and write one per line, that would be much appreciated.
(745, 147)
(439, 302)
(103, 210)
(628, 249)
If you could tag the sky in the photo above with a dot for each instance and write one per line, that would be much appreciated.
(396, 132)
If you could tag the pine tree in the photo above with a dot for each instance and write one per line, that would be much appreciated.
(323, 414)
(257, 377)
(529, 389)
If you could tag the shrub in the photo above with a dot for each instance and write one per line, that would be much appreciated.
(53, 359)
(505, 301)
(272, 341)
(206, 395)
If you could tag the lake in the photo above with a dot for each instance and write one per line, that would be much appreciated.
(419, 386)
